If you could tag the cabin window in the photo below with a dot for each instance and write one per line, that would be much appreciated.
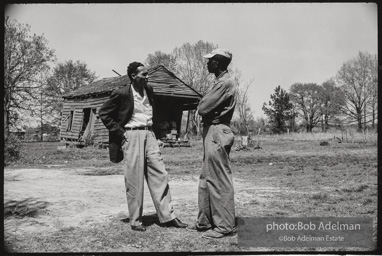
(70, 121)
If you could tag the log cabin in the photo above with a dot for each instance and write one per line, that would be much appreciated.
(80, 122)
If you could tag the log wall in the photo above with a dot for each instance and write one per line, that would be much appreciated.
(100, 132)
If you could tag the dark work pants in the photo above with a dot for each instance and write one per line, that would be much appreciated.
(216, 192)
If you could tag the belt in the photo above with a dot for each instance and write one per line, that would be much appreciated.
(139, 128)
(225, 123)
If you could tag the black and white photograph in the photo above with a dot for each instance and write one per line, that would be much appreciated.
(191, 128)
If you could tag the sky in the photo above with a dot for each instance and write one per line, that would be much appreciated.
(272, 43)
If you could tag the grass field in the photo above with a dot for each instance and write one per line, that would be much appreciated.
(290, 176)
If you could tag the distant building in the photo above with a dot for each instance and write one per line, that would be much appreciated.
(50, 133)
(20, 133)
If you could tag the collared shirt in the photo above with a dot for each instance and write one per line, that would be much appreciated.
(143, 111)
(218, 105)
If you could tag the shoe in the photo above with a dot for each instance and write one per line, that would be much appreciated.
(138, 228)
(176, 223)
(194, 228)
(212, 234)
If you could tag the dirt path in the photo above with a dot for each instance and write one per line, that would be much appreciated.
(71, 199)
(64, 198)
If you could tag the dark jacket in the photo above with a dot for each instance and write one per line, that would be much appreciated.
(115, 113)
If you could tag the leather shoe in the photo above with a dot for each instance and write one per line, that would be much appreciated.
(195, 228)
(138, 228)
(176, 223)
(212, 234)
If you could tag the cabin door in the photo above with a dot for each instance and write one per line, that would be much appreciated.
(88, 124)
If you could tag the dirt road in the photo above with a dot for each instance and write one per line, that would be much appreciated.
(63, 198)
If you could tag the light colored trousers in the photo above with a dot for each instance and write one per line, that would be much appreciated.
(142, 158)
(216, 192)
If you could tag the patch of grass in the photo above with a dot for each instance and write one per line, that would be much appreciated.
(349, 136)
(117, 236)
(47, 153)
(103, 171)
(321, 197)
(359, 188)
(367, 201)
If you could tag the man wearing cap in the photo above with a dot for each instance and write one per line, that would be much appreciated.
(128, 115)
(215, 192)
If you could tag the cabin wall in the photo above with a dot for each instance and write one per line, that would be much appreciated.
(100, 133)
(168, 109)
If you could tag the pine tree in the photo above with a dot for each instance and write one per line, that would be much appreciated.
(279, 111)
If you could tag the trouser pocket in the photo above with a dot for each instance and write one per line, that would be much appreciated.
(223, 136)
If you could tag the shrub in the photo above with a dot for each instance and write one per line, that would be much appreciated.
(89, 139)
(12, 147)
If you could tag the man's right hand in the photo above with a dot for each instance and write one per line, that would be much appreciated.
(124, 139)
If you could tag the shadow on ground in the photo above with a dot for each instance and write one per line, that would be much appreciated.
(29, 207)
(147, 220)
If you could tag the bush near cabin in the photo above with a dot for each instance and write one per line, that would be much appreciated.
(12, 148)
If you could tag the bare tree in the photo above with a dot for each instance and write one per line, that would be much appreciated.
(188, 64)
(357, 78)
(66, 77)
(333, 100)
(373, 101)
(307, 98)
(161, 58)
(242, 108)
(191, 66)
(41, 109)
(25, 57)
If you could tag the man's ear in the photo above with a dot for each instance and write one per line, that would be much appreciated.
(133, 75)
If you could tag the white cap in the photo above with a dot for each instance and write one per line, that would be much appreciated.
(223, 52)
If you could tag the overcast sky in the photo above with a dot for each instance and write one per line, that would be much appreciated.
(272, 43)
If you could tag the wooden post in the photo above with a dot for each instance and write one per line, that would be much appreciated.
(346, 135)
(244, 141)
(41, 121)
(188, 120)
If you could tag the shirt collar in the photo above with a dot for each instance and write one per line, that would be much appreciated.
(135, 93)
(222, 74)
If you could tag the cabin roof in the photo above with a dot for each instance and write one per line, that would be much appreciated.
(163, 81)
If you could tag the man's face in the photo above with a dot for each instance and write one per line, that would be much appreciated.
(141, 75)
(212, 65)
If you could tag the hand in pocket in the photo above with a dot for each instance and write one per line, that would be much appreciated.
(124, 138)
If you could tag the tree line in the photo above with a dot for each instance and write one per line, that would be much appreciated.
(35, 82)
(352, 93)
